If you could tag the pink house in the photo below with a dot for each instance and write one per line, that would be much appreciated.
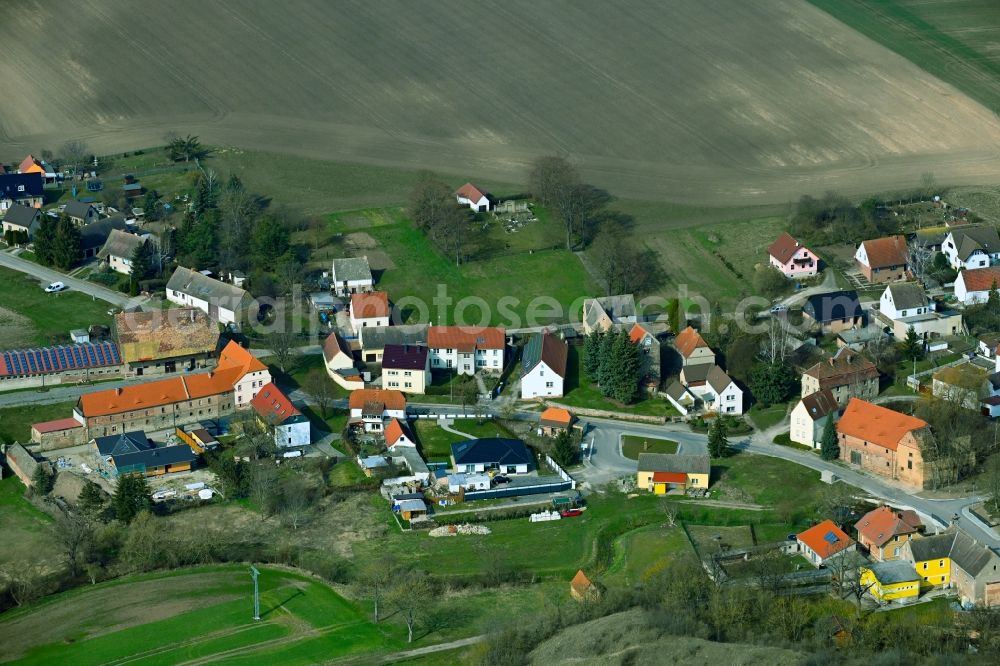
(791, 258)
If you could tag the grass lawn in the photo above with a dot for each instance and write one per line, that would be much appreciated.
(47, 318)
(792, 489)
(412, 267)
(644, 552)
(26, 529)
(785, 439)
(99, 624)
(633, 445)
(765, 417)
(435, 442)
(580, 392)
(347, 473)
(15, 422)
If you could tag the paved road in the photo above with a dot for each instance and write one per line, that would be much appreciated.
(67, 392)
(47, 275)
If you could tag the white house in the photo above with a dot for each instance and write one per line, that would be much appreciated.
(372, 409)
(543, 364)
(397, 435)
(713, 387)
(369, 310)
(252, 374)
(274, 410)
(810, 417)
(972, 246)
(351, 275)
(906, 299)
(466, 349)
(224, 303)
(682, 399)
(473, 197)
(120, 247)
(973, 285)
(506, 456)
(340, 363)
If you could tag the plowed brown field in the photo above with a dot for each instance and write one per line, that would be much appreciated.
(725, 102)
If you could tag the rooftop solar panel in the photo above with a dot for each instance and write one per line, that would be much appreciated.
(830, 537)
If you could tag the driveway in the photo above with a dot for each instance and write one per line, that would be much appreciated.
(47, 275)
(605, 463)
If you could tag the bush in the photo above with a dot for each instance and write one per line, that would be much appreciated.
(770, 282)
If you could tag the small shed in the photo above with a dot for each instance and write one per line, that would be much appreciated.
(582, 588)
(412, 508)
(79, 336)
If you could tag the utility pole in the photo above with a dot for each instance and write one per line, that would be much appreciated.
(256, 592)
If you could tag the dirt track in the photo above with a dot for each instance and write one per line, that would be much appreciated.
(722, 103)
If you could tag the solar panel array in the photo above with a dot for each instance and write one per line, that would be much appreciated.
(47, 360)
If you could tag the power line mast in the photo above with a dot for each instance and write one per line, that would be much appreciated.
(256, 592)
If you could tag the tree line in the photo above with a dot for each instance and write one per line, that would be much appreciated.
(612, 361)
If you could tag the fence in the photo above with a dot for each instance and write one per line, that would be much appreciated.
(560, 471)
(537, 489)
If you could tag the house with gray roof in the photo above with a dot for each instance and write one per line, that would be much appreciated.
(94, 235)
(134, 453)
(905, 305)
(972, 246)
(956, 560)
(600, 314)
(22, 219)
(119, 248)
(81, 213)
(222, 302)
(375, 338)
(351, 275)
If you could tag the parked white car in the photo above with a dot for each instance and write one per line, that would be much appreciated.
(54, 287)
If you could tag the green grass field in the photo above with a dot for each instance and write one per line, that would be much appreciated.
(633, 445)
(765, 417)
(507, 285)
(192, 614)
(580, 392)
(15, 422)
(43, 318)
(955, 41)
(435, 442)
(26, 529)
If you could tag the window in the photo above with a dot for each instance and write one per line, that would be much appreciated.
(548, 384)
(407, 384)
(541, 373)
(730, 397)
(940, 563)
(925, 566)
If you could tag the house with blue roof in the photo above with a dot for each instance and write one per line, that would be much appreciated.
(499, 454)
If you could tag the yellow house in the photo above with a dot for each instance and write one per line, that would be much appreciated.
(660, 473)
(931, 557)
(891, 581)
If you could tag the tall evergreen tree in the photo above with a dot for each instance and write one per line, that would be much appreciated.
(268, 241)
(131, 497)
(625, 368)
(604, 367)
(592, 354)
(45, 237)
(912, 348)
(141, 262)
(718, 440)
(66, 244)
(829, 449)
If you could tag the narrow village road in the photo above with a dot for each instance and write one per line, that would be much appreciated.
(47, 275)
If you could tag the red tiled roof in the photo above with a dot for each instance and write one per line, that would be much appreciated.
(580, 582)
(333, 346)
(557, 415)
(393, 400)
(876, 424)
(57, 425)
(688, 340)
(886, 252)
(784, 248)
(637, 333)
(234, 363)
(272, 405)
(372, 304)
(394, 431)
(669, 477)
(29, 162)
(465, 338)
(470, 192)
(981, 279)
(880, 525)
(826, 539)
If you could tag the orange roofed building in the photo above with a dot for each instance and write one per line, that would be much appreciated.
(373, 409)
(884, 531)
(883, 442)
(177, 401)
(823, 542)
(693, 348)
(466, 349)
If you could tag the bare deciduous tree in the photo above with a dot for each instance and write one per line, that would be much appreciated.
(375, 578)
(263, 486)
(320, 387)
(74, 153)
(774, 345)
(295, 500)
(72, 531)
(282, 346)
(920, 259)
(411, 595)
(670, 513)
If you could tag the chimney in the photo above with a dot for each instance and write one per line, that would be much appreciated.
(118, 391)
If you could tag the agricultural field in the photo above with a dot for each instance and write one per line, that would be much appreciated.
(957, 41)
(755, 124)
(29, 316)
